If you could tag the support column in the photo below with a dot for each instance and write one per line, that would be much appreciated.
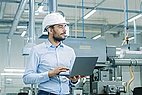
(52, 6)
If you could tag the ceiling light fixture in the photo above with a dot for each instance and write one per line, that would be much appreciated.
(40, 8)
(24, 27)
(23, 33)
(96, 37)
(14, 70)
(135, 17)
(131, 38)
(89, 14)
(11, 74)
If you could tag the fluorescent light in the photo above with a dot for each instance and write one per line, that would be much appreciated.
(96, 37)
(135, 17)
(11, 74)
(38, 11)
(23, 33)
(118, 49)
(131, 38)
(117, 52)
(14, 70)
(89, 14)
(40, 8)
(21, 27)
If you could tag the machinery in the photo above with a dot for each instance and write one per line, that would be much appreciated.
(107, 77)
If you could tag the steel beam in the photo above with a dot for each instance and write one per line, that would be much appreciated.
(52, 6)
(31, 21)
(17, 17)
(2, 8)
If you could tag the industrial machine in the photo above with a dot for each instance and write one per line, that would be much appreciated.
(107, 77)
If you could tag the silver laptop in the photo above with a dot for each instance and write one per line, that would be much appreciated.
(83, 66)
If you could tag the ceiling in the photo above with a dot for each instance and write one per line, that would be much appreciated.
(108, 18)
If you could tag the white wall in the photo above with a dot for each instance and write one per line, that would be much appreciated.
(10, 84)
(3, 51)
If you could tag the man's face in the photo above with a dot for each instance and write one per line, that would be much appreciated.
(59, 32)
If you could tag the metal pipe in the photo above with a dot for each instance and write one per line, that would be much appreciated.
(38, 22)
(11, 1)
(31, 21)
(128, 62)
(9, 53)
(126, 17)
(99, 8)
(83, 35)
(2, 8)
(52, 6)
(135, 31)
(75, 20)
(86, 7)
(82, 18)
(141, 74)
(17, 17)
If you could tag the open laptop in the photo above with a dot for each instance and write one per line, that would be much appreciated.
(83, 66)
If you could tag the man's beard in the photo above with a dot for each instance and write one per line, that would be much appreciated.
(58, 38)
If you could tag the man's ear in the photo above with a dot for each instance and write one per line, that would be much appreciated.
(50, 30)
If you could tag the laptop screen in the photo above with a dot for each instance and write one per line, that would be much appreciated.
(83, 66)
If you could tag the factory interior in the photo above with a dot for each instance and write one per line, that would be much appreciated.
(108, 29)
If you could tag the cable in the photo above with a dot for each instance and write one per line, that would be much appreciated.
(132, 78)
(126, 22)
(125, 39)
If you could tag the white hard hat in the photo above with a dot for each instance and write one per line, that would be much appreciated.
(52, 19)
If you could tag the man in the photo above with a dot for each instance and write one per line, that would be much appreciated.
(49, 59)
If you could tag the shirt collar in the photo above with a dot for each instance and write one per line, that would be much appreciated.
(49, 45)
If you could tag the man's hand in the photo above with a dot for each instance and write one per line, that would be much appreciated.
(74, 79)
(56, 71)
